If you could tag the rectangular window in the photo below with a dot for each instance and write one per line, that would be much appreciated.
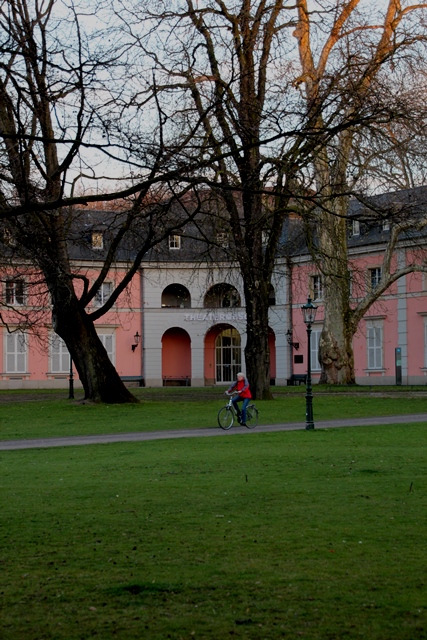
(59, 355)
(374, 277)
(174, 242)
(356, 228)
(15, 291)
(103, 293)
(386, 225)
(97, 240)
(374, 338)
(316, 287)
(108, 341)
(16, 352)
(315, 338)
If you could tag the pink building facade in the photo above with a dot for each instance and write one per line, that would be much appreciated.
(191, 320)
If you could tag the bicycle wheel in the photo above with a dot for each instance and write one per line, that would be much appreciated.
(251, 416)
(225, 418)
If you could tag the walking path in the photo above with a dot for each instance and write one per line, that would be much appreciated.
(71, 441)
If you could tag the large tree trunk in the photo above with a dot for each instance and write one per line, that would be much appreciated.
(99, 378)
(257, 353)
(335, 346)
(73, 324)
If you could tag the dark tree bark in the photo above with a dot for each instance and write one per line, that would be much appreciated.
(63, 114)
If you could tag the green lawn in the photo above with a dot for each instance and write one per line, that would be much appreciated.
(314, 535)
(54, 415)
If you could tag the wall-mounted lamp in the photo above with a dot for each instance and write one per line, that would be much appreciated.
(295, 345)
(136, 338)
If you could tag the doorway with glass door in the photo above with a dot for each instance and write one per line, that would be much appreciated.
(228, 355)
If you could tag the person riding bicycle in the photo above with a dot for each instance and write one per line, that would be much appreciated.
(244, 393)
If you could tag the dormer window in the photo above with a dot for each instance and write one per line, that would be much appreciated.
(174, 242)
(222, 240)
(97, 240)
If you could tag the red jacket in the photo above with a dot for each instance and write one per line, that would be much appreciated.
(242, 386)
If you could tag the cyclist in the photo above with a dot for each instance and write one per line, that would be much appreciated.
(244, 393)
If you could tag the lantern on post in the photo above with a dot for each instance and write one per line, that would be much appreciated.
(309, 313)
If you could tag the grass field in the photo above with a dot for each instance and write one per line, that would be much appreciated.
(316, 535)
(313, 535)
(52, 415)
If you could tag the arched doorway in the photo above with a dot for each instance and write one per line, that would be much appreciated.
(223, 354)
(176, 357)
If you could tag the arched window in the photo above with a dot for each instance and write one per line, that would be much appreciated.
(176, 296)
(222, 296)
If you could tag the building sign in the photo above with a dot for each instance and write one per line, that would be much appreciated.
(213, 317)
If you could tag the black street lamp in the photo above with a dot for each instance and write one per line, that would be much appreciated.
(309, 313)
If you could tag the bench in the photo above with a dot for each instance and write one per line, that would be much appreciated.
(129, 379)
(179, 381)
(297, 378)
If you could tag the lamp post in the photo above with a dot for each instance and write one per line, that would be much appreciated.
(309, 313)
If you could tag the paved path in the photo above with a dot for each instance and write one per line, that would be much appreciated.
(71, 441)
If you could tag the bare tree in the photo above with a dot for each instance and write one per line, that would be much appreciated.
(285, 94)
(68, 120)
(362, 72)
(221, 65)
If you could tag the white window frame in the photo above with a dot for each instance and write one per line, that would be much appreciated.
(314, 348)
(355, 231)
(108, 339)
(375, 274)
(16, 352)
(175, 242)
(11, 296)
(316, 287)
(103, 293)
(386, 225)
(60, 359)
(375, 345)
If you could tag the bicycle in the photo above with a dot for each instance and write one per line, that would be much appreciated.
(227, 414)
